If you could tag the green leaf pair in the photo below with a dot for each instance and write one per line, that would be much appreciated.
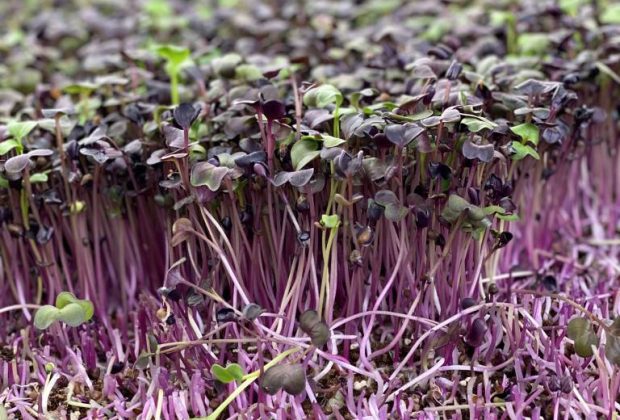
(520, 151)
(474, 215)
(228, 374)
(20, 129)
(330, 221)
(533, 43)
(208, 175)
(321, 96)
(611, 14)
(580, 330)
(477, 124)
(303, 152)
(226, 65)
(174, 55)
(68, 309)
(500, 213)
(8, 145)
(528, 132)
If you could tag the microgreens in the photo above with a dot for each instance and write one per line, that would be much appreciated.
(370, 209)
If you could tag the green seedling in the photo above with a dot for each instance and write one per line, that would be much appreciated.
(68, 309)
(176, 58)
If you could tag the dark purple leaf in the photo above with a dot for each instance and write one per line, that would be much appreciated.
(350, 123)
(274, 110)
(533, 87)
(155, 157)
(248, 160)
(477, 331)
(450, 115)
(430, 122)
(54, 112)
(16, 164)
(483, 152)
(315, 117)
(174, 137)
(467, 303)
(503, 239)
(375, 210)
(185, 114)
(296, 178)
(550, 283)
(438, 169)
(225, 315)
(566, 384)
(402, 135)
(454, 70)
(556, 134)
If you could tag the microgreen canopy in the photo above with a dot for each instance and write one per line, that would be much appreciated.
(330, 155)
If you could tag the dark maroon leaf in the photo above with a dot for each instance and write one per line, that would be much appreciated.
(375, 210)
(315, 117)
(482, 152)
(174, 137)
(16, 164)
(454, 70)
(185, 114)
(402, 135)
(467, 303)
(225, 315)
(431, 121)
(274, 110)
(155, 157)
(248, 160)
(297, 178)
(550, 283)
(477, 331)
(438, 169)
